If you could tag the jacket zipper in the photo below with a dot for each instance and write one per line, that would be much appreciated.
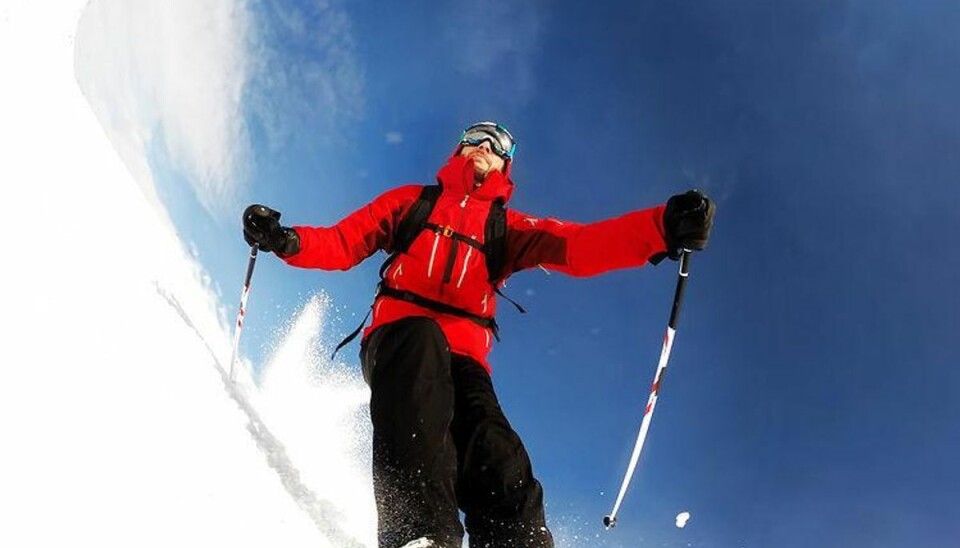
(433, 254)
(463, 271)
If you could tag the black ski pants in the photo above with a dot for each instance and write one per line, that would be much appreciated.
(442, 443)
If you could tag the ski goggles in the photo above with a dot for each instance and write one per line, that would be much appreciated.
(500, 139)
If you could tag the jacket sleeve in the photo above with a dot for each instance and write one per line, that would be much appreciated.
(584, 249)
(356, 237)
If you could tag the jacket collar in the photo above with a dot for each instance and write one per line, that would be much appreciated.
(457, 176)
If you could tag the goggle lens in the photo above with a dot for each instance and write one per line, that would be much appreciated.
(501, 142)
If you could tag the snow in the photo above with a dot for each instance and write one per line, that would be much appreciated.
(119, 427)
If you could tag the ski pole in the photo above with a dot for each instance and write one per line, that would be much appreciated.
(611, 520)
(243, 308)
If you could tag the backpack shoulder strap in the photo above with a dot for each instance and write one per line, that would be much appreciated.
(412, 223)
(495, 240)
(415, 218)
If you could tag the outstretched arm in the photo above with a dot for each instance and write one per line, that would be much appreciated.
(357, 236)
(584, 249)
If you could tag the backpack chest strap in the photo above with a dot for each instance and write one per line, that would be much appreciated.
(447, 231)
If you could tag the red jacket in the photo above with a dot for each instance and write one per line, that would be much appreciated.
(430, 270)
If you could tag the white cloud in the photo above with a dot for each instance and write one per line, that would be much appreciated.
(171, 73)
(306, 73)
(394, 137)
(682, 519)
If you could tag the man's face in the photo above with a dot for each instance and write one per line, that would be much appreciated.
(483, 158)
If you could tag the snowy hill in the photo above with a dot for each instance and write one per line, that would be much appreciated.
(119, 428)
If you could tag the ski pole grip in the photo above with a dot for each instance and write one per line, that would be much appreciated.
(681, 285)
(253, 257)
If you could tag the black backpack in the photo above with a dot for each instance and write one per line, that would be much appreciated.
(415, 221)
(410, 226)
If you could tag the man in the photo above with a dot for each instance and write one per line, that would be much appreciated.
(440, 440)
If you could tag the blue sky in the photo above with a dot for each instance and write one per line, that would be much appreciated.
(811, 395)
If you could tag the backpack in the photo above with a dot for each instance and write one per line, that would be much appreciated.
(410, 226)
(415, 221)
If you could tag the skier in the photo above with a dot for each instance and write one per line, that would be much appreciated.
(440, 439)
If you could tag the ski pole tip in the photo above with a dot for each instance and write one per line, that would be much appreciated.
(609, 521)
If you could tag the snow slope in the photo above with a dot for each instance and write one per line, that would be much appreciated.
(118, 426)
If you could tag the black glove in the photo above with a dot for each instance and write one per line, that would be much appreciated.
(687, 221)
(261, 227)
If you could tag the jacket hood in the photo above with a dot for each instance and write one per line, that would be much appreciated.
(457, 175)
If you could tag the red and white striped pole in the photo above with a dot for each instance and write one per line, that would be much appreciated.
(243, 308)
(611, 520)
